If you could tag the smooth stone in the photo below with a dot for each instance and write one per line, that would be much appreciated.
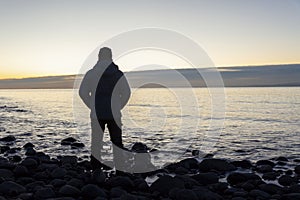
(189, 163)
(77, 145)
(117, 192)
(291, 196)
(4, 149)
(205, 194)
(29, 163)
(179, 194)
(26, 196)
(265, 162)
(165, 183)
(98, 176)
(281, 158)
(237, 177)
(91, 191)
(28, 145)
(32, 187)
(181, 170)
(206, 178)
(76, 183)
(72, 160)
(294, 188)
(58, 183)
(297, 169)
(247, 186)
(30, 151)
(259, 194)
(264, 168)
(270, 175)
(69, 191)
(9, 138)
(5, 173)
(20, 171)
(121, 181)
(216, 164)
(44, 193)
(245, 164)
(68, 141)
(11, 188)
(58, 173)
(286, 180)
(270, 188)
(15, 158)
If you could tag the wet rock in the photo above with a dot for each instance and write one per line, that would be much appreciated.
(297, 169)
(248, 186)
(44, 193)
(236, 177)
(139, 147)
(76, 183)
(216, 164)
(68, 141)
(270, 175)
(189, 163)
(165, 183)
(117, 192)
(26, 196)
(20, 171)
(4, 149)
(58, 173)
(69, 191)
(71, 160)
(5, 173)
(179, 194)
(281, 158)
(121, 181)
(92, 191)
(264, 168)
(98, 176)
(270, 188)
(205, 194)
(258, 194)
(58, 183)
(206, 178)
(11, 188)
(286, 180)
(77, 145)
(9, 138)
(291, 196)
(15, 158)
(29, 163)
(30, 151)
(245, 164)
(28, 145)
(32, 187)
(294, 188)
(265, 162)
(181, 170)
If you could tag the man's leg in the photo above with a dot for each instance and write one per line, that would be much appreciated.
(96, 141)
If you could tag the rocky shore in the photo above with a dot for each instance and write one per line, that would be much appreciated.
(38, 176)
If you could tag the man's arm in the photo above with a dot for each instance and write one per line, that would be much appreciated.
(84, 91)
(124, 91)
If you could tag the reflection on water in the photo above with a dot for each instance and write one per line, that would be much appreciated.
(260, 122)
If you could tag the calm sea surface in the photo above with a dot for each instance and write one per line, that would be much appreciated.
(259, 122)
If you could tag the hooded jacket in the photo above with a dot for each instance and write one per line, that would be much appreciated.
(105, 90)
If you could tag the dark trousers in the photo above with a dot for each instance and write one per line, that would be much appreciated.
(114, 129)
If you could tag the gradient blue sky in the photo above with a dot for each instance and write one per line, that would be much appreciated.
(40, 37)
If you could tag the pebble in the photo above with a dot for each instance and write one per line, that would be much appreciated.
(91, 191)
(11, 188)
(9, 138)
(58, 173)
(69, 191)
(216, 164)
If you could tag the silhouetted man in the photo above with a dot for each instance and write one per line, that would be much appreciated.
(105, 90)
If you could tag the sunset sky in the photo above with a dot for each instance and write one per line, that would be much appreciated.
(40, 37)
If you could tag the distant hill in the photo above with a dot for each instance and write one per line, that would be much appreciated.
(238, 76)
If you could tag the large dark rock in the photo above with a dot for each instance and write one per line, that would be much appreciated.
(258, 194)
(286, 180)
(237, 177)
(121, 181)
(264, 168)
(205, 194)
(9, 138)
(77, 145)
(297, 169)
(216, 164)
(76, 183)
(206, 178)
(98, 176)
(189, 163)
(69, 191)
(44, 193)
(179, 194)
(294, 188)
(58, 173)
(246, 164)
(117, 192)
(92, 191)
(4, 149)
(71, 160)
(11, 188)
(270, 175)
(5, 173)
(30, 163)
(28, 145)
(271, 188)
(20, 171)
(265, 162)
(291, 196)
(165, 183)
(57, 183)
